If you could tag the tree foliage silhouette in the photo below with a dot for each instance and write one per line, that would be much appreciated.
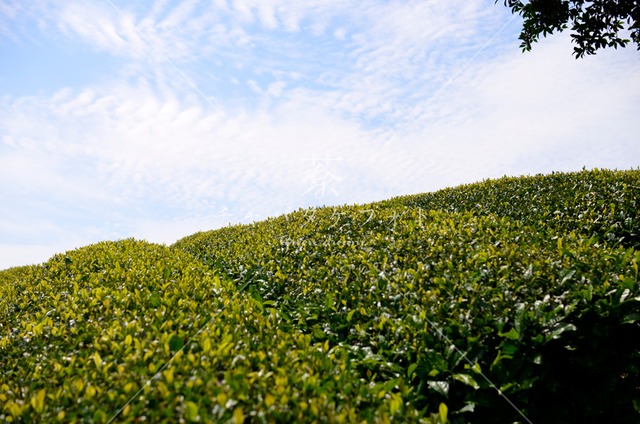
(594, 24)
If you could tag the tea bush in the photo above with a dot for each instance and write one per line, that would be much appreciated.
(135, 331)
(600, 203)
(442, 307)
(452, 305)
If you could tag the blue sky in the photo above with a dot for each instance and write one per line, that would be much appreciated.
(157, 119)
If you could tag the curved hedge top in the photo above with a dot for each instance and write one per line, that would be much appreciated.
(600, 203)
(418, 309)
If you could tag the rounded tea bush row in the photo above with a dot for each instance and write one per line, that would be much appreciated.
(457, 306)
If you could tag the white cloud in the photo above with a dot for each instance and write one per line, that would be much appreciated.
(340, 102)
(31, 254)
(276, 89)
(101, 26)
(8, 13)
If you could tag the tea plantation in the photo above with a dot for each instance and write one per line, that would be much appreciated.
(510, 300)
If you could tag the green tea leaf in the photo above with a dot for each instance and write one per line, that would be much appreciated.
(443, 411)
(466, 379)
(191, 411)
(175, 343)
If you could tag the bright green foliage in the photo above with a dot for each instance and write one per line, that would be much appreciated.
(375, 313)
(7, 277)
(600, 203)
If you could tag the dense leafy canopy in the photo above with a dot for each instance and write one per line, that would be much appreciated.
(492, 302)
(595, 24)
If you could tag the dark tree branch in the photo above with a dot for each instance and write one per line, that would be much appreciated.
(594, 24)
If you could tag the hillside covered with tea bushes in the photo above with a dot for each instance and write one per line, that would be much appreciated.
(510, 300)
